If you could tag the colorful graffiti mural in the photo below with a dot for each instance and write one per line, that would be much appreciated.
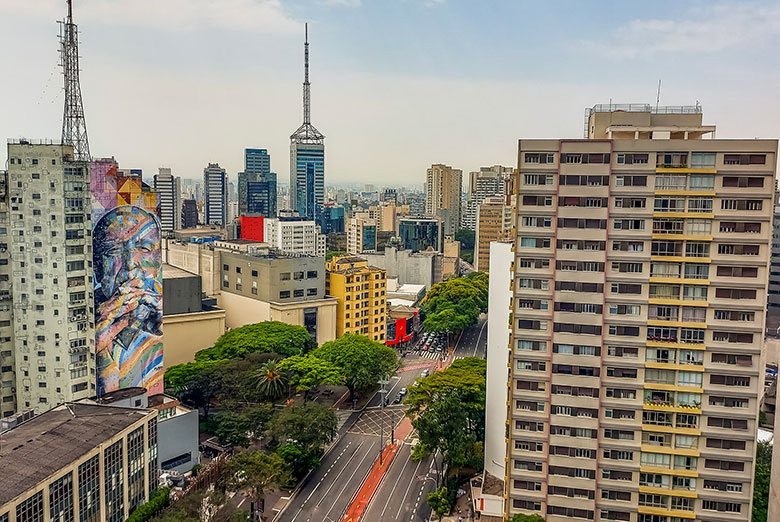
(128, 300)
(112, 187)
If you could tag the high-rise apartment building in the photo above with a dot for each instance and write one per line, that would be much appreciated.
(361, 289)
(294, 235)
(47, 334)
(442, 196)
(168, 189)
(640, 284)
(485, 183)
(215, 183)
(494, 223)
(419, 234)
(361, 235)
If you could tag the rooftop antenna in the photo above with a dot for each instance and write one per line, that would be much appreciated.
(74, 126)
(658, 96)
(306, 133)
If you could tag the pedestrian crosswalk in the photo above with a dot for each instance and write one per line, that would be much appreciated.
(429, 355)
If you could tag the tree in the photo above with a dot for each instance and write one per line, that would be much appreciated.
(440, 502)
(201, 389)
(299, 460)
(309, 426)
(451, 306)
(334, 253)
(271, 380)
(266, 337)
(466, 238)
(363, 361)
(232, 429)
(763, 475)
(309, 372)
(525, 518)
(256, 471)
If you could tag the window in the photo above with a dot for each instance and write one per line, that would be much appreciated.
(630, 181)
(284, 276)
(730, 380)
(743, 181)
(632, 159)
(741, 204)
(744, 159)
(629, 224)
(699, 204)
(284, 294)
(702, 182)
(702, 160)
(694, 293)
(670, 182)
(537, 179)
(539, 157)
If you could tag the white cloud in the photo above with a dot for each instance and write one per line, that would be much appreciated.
(342, 3)
(267, 16)
(707, 28)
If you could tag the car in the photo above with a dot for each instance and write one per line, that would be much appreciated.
(425, 373)
(397, 399)
(385, 401)
(424, 348)
(402, 392)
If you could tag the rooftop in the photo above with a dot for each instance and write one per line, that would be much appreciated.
(647, 107)
(174, 272)
(45, 444)
(349, 260)
(120, 395)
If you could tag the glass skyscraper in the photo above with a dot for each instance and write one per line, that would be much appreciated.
(257, 184)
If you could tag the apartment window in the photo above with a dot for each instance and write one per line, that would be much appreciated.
(538, 179)
(744, 159)
(535, 242)
(537, 201)
(702, 182)
(627, 267)
(632, 159)
(576, 349)
(625, 288)
(741, 204)
(284, 276)
(666, 248)
(725, 465)
(629, 224)
(738, 271)
(630, 202)
(539, 157)
(630, 181)
(734, 293)
(624, 309)
(668, 226)
(702, 160)
(730, 380)
(735, 359)
(613, 474)
(740, 227)
(622, 351)
(728, 507)
(628, 246)
(534, 346)
(699, 204)
(725, 443)
(31, 510)
(743, 181)
(284, 294)
(670, 182)
(669, 204)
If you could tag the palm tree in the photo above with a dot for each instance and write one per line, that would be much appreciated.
(271, 380)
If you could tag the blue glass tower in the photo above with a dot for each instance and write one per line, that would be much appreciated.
(257, 184)
(307, 157)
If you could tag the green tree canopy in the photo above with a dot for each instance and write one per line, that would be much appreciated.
(364, 362)
(271, 380)
(309, 372)
(309, 426)
(266, 337)
(763, 475)
(525, 518)
(440, 502)
(232, 429)
(451, 306)
(466, 238)
(257, 472)
(298, 460)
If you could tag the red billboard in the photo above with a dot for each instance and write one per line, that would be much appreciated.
(252, 227)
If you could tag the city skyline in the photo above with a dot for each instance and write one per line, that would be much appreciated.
(370, 78)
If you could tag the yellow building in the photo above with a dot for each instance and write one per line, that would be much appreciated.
(361, 290)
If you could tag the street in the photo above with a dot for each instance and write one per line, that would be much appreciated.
(402, 495)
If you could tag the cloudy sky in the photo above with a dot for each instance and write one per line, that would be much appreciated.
(396, 84)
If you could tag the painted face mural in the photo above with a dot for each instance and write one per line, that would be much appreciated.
(128, 300)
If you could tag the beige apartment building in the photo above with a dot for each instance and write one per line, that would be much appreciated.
(640, 288)
(495, 222)
(443, 186)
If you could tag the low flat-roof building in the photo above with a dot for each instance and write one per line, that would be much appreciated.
(78, 461)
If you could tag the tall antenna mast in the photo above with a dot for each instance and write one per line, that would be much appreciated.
(306, 85)
(74, 126)
(658, 96)
(306, 133)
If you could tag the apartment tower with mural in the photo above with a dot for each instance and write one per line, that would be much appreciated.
(640, 288)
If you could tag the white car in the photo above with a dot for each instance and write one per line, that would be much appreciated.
(425, 373)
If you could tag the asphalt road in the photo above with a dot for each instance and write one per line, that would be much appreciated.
(330, 489)
(403, 493)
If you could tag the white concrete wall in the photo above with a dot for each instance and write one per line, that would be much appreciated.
(499, 302)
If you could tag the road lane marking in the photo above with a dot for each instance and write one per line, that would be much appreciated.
(339, 474)
(396, 484)
(403, 500)
(346, 482)
(478, 338)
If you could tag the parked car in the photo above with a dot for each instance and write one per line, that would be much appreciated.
(425, 373)
(397, 399)
(402, 392)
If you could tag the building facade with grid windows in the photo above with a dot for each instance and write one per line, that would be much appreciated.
(640, 286)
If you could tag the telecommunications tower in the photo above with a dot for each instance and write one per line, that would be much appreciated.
(74, 127)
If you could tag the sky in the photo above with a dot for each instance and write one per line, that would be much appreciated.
(397, 85)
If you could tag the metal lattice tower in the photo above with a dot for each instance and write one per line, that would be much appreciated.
(74, 127)
(306, 133)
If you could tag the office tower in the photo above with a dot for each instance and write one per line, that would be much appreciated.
(257, 189)
(487, 182)
(307, 157)
(47, 337)
(367, 316)
(168, 190)
(389, 194)
(640, 288)
(442, 196)
(189, 213)
(332, 219)
(215, 183)
(494, 223)
(361, 235)
(419, 234)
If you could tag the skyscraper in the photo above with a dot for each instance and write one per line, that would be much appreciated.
(442, 196)
(487, 182)
(494, 223)
(260, 197)
(307, 157)
(47, 334)
(640, 287)
(168, 190)
(215, 184)
(189, 213)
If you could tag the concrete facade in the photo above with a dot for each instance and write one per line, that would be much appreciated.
(443, 195)
(47, 336)
(409, 267)
(361, 290)
(169, 206)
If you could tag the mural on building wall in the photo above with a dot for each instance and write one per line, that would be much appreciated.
(128, 300)
(112, 187)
